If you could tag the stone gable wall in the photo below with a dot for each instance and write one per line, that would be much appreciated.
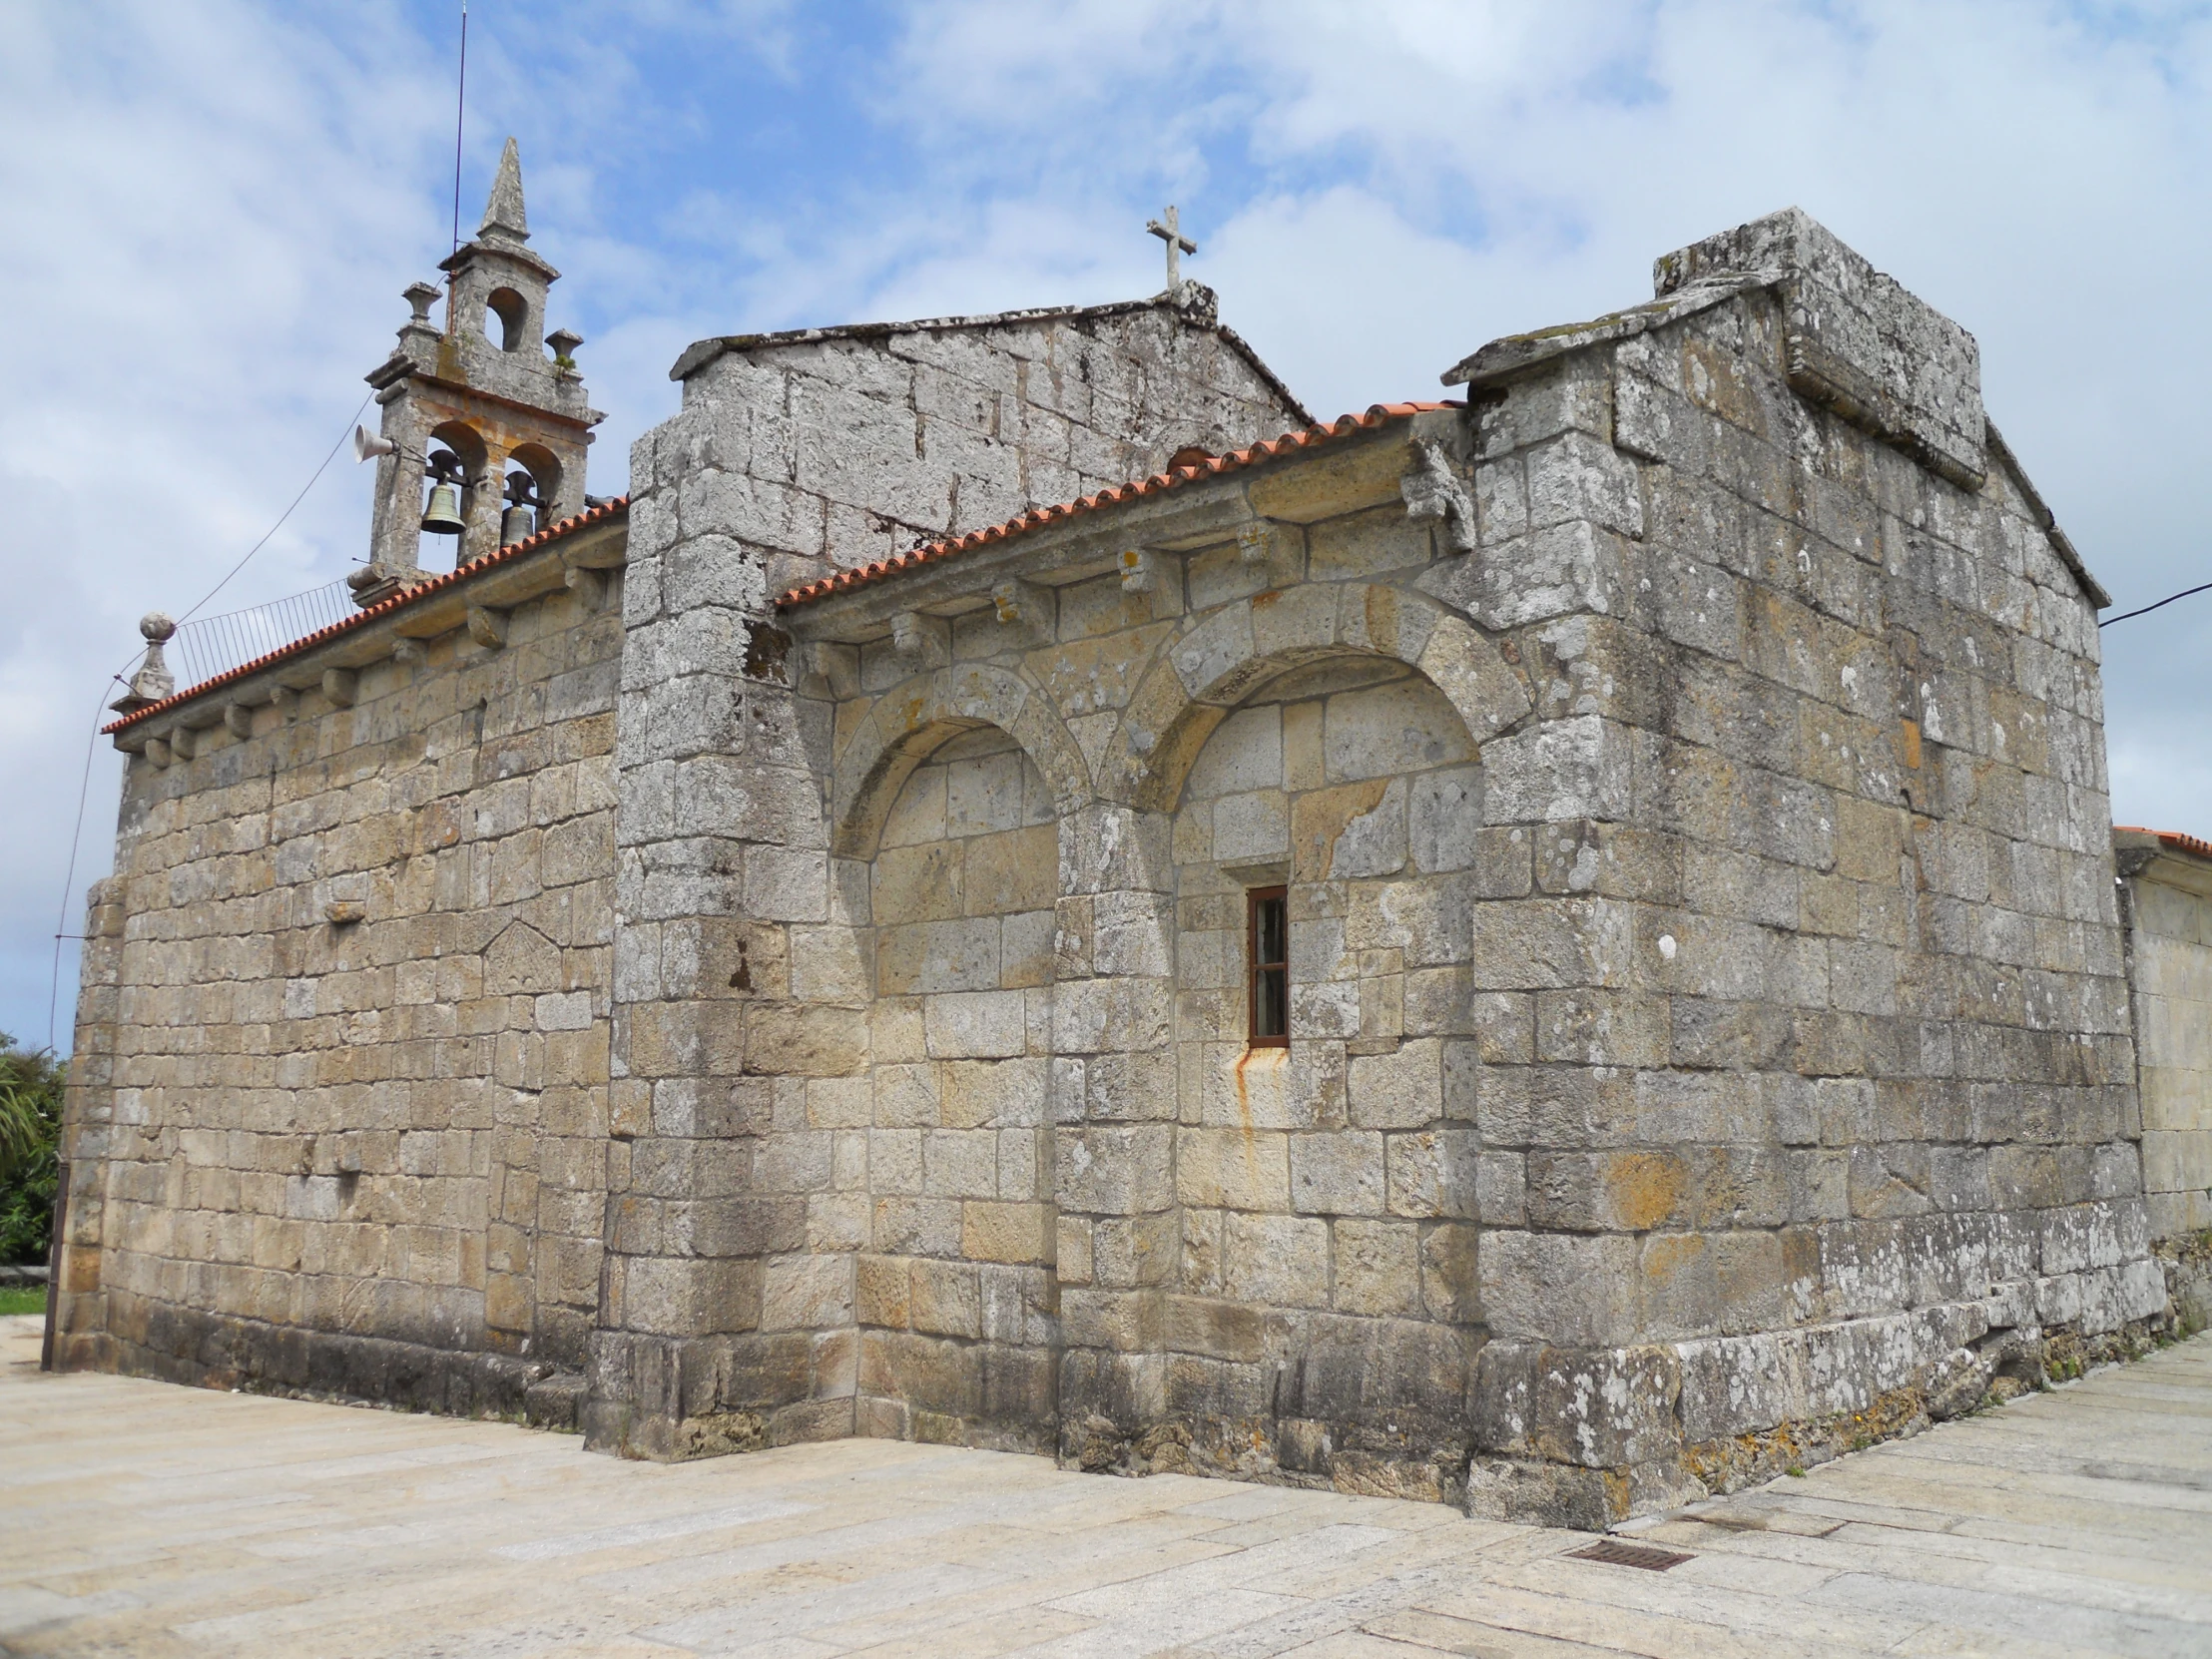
(361, 1157)
(837, 452)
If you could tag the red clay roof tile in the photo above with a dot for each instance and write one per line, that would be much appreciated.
(398, 602)
(2174, 839)
(846, 580)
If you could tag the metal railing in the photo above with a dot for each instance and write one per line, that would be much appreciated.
(213, 645)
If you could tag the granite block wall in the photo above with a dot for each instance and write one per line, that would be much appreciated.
(338, 1121)
(2166, 883)
(795, 456)
(1711, 1042)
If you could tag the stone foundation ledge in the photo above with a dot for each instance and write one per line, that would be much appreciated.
(666, 1399)
(1589, 1436)
(217, 1351)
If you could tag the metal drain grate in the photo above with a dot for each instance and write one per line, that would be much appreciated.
(1620, 1553)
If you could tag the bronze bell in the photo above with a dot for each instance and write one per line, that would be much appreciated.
(443, 516)
(520, 520)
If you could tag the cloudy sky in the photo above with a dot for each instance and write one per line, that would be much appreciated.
(211, 207)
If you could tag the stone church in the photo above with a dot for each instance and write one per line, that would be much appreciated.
(1555, 950)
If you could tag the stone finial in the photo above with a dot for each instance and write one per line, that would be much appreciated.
(153, 681)
(504, 220)
(564, 343)
(421, 296)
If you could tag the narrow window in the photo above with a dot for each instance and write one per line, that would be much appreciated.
(1269, 947)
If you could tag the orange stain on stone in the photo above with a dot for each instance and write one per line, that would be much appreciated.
(1642, 1188)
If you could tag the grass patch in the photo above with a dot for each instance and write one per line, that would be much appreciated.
(15, 1299)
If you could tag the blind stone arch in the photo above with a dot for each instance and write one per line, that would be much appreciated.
(1200, 676)
(914, 718)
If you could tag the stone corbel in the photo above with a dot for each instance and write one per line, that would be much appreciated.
(1139, 568)
(340, 686)
(184, 741)
(1435, 490)
(408, 653)
(238, 716)
(287, 703)
(836, 666)
(921, 641)
(589, 587)
(487, 627)
(157, 750)
(1024, 611)
(1254, 542)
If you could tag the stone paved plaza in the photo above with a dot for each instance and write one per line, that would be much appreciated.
(141, 1518)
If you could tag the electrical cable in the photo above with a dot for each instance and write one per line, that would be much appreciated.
(2202, 586)
(84, 787)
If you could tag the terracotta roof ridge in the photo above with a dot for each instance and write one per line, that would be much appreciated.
(600, 514)
(2180, 840)
(844, 581)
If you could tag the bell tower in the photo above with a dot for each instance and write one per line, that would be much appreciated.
(491, 409)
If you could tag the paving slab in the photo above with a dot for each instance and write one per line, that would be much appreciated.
(178, 1523)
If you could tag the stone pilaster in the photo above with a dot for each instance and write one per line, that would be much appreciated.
(1114, 1103)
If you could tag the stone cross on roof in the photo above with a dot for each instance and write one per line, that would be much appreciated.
(1171, 233)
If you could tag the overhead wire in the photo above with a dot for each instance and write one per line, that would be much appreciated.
(84, 785)
(2201, 587)
(69, 877)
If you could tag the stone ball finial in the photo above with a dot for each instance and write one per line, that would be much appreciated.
(157, 627)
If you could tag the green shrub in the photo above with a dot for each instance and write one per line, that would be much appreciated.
(30, 1146)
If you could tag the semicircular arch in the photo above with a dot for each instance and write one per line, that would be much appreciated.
(913, 719)
(1200, 678)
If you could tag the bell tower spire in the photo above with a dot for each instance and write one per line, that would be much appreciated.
(491, 403)
(504, 220)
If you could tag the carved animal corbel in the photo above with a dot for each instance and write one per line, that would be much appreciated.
(1436, 491)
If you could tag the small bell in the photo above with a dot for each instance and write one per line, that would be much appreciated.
(520, 520)
(443, 516)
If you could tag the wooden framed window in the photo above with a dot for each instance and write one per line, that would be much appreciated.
(1268, 951)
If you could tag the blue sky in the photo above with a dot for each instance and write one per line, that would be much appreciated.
(213, 208)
